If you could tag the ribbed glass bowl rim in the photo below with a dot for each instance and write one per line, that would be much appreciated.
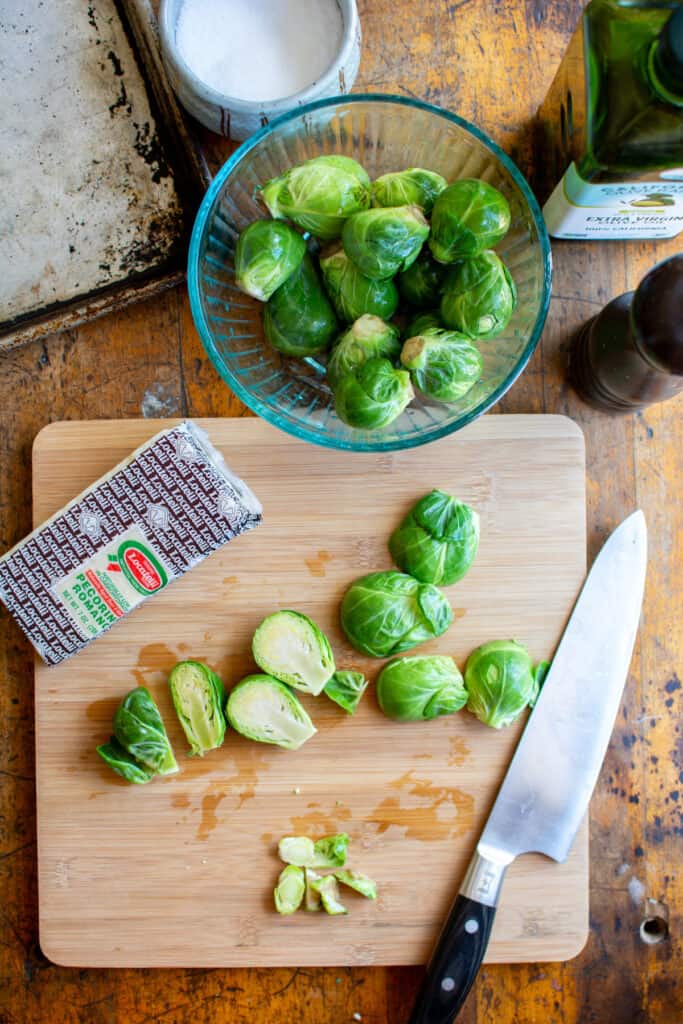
(300, 430)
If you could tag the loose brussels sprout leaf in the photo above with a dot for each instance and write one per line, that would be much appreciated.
(420, 284)
(264, 709)
(346, 689)
(123, 763)
(540, 672)
(329, 894)
(420, 687)
(386, 613)
(139, 729)
(266, 255)
(500, 682)
(422, 322)
(361, 883)
(437, 541)
(298, 319)
(352, 293)
(198, 698)
(320, 194)
(468, 217)
(289, 646)
(312, 898)
(412, 187)
(383, 241)
(329, 852)
(443, 364)
(290, 889)
(479, 296)
(367, 338)
(373, 396)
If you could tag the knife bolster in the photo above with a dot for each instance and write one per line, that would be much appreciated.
(483, 880)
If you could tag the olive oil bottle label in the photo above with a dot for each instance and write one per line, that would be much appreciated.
(626, 209)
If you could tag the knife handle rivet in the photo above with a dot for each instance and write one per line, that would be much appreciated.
(448, 984)
(471, 926)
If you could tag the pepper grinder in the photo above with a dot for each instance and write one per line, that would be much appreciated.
(631, 354)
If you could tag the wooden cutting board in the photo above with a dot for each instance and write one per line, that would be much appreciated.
(181, 871)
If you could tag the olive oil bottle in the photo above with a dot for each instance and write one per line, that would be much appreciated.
(611, 127)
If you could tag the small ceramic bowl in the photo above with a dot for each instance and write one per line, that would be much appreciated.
(237, 118)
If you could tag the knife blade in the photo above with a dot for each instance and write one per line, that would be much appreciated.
(549, 782)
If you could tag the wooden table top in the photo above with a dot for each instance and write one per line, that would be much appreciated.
(492, 62)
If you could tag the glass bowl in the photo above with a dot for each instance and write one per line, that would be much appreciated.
(384, 133)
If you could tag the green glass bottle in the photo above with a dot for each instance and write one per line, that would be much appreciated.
(612, 125)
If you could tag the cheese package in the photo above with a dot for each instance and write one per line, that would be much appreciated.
(154, 516)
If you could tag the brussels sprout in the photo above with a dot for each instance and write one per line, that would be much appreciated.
(263, 709)
(500, 682)
(383, 241)
(198, 698)
(422, 322)
(123, 763)
(443, 364)
(412, 187)
(374, 395)
(298, 319)
(361, 883)
(368, 337)
(329, 894)
(352, 293)
(320, 194)
(479, 296)
(329, 852)
(346, 689)
(438, 539)
(139, 729)
(468, 217)
(266, 255)
(420, 687)
(540, 672)
(420, 284)
(289, 646)
(312, 898)
(289, 891)
(386, 613)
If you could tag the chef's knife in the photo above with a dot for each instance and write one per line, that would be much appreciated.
(552, 774)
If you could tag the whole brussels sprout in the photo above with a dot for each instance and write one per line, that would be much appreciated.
(420, 284)
(298, 319)
(373, 395)
(499, 678)
(412, 187)
(422, 322)
(386, 613)
(352, 293)
(368, 337)
(384, 240)
(420, 687)
(443, 364)
(319, 195)
(438, 539)
(479, 296)
(468, 217)
(267, 253)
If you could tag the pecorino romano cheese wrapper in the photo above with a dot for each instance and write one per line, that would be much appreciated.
(156, 515)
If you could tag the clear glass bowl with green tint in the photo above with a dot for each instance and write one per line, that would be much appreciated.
(384, 133)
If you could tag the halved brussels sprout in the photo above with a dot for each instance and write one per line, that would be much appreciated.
(319, 194)
(298, 319)
(386, 613)
(479, 296)
(365, 339)
(420, 284)
(346, 689)
(374, 395)
(352, 293)
(140, 730)
(289, 891)
(328, 852)
(412, 187)
(312, 899)
(289, 646)
(468, 217)
(443, 364)
(438, 539)
(384, 240)
(420, 687)
(266, 255)
(198, 698)
(329, 894)
(361, 883)
(123, 763)
(264, 709)
(500, 682)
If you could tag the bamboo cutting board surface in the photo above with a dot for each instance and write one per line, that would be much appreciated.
(181, 871)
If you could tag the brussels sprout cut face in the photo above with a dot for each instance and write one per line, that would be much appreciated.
(289, 891)
(319, 195)
(500, 682)
(468, 217)
(420, 687)
(198, 697)
(264, 709)
(361, 883)
(479, 296)
(412, 187)
(312, 899)
(346, 689)
(123, 763)
(298, 319)
(352, 293)
(369, 337)
(437, 541)
(267, 254)
(290, 647)
(373, 396)
(385, 240)
(444, 364)
(328, 889)
(139, 729)
(420, 284)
